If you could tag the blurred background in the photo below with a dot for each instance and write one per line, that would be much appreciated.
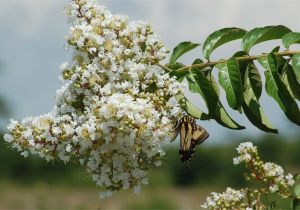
(31, 49)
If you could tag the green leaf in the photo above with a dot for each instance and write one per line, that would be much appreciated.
(296, 176)
(296, 66)
(297, 191)
(258, 35)
(221, 37)
(179, 74)
(242, 63)
(198, 83)
(295, 203)
(253, 77)
(252, 91)
(277, 89)
(290, 38)
(190, 108)
(230, 80)
(214, 83)
(222, 117)
(276, 49)
(175, 66)
(181, 49)
(289, 79)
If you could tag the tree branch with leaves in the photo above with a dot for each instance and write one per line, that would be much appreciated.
(240, 78)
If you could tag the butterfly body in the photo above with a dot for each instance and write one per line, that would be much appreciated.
(191, 135)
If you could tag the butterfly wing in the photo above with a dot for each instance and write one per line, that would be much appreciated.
(186, 133)
(199, 135)
(177, 128)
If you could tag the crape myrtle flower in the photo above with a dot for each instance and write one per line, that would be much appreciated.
(270, 175)
(116, 107)
(230, 199)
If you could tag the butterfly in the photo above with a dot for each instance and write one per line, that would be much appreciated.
(191, 135)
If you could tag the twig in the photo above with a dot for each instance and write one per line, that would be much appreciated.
(242, 58)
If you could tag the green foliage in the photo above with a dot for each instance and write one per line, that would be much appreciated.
(278, 90)
(240, 78)
(297, 190)
(199, 83)
(289, 78)
(296, 66)
(28, 170)
(190, 108)
(291, 38)
(295, 203)
(258, 35)
(181, 49)
(223, 118)
(231, 82)
(252, 92)
(221, 37)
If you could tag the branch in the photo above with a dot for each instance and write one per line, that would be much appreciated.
(243, 58)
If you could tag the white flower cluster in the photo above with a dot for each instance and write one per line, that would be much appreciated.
(245, 151)
(117, 107)
(275, 173)
(269, 173)
(230, 199)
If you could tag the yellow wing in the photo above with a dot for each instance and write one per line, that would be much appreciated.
(199, 135)
(186, 134)
(177, 127)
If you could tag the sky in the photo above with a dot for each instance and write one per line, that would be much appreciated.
(32, 46)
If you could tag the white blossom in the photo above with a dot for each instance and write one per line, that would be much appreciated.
(230, 198)
(117, 106)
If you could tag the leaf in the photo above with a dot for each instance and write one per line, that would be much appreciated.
(295, 203)
(242, 63)
(252, 91)
(222, 117)
(296, 176)
(289, 79)
(297, 191)
(221, 37)
(190, 108)
(277, 89)
(198, 83)
(181, 49)
(280, 60)
(276, 49)
(258, 35)
(179, 74)
(230, 80)
(254, 79)
(214, 83)
(290, 38)
(296, 66)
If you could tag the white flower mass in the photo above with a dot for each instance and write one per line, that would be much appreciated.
(270, 173)
(116, 108)
(230, 199)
